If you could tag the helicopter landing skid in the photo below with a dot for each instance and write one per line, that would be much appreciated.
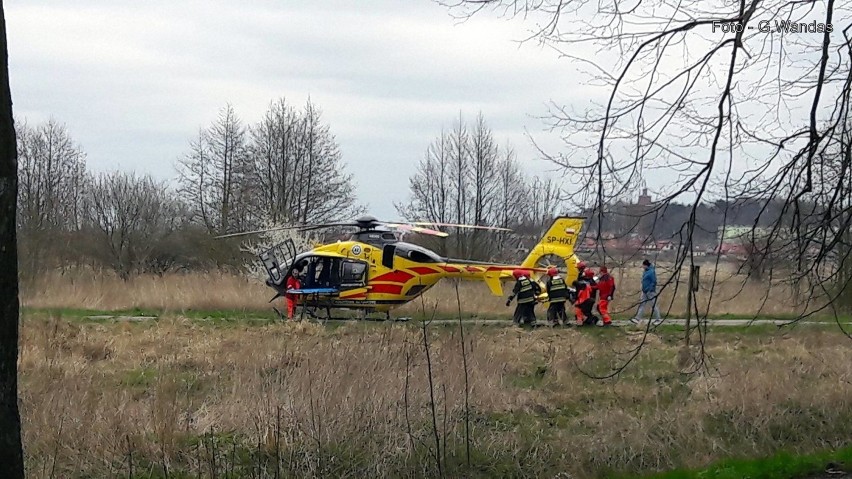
(322, 314)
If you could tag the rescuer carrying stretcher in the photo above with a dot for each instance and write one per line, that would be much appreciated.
(557, 293)
(581, 268)
(526, 291)
(585, 301)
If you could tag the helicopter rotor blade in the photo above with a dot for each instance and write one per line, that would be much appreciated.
(416, 229)
(325, 225)
(279, 228)
(244, 233)
(455, 225)
(421, 227)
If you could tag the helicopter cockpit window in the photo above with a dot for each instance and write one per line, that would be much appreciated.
(419, 257)
(417, 254)
(353, 273)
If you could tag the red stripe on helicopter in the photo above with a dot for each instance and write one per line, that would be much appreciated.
(473, 269)
(394, 277)
(386, 288)
(423, 270)
(450, 269)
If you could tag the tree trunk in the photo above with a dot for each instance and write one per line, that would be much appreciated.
(11, 452)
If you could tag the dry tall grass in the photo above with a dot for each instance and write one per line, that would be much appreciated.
(174, 399)
(172, 292)
(732, 294)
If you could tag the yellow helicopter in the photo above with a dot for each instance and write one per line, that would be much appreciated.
(375, 271)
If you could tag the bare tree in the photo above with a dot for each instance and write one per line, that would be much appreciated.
(485, 182)
(546, 199)
(11, 451)
(213, 174)
(51, 173)
(430, 195)
(512, 197)
(466, 178)
(285, 169)
(274, 144)
(440, 188)
(324, 190)
(129, 216)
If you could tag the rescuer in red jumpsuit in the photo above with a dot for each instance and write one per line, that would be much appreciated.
(606, 289)
(293, 282)
(581, 303)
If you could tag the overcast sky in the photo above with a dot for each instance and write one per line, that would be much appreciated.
(134, 81)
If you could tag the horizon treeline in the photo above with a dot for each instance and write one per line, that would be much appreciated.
(285, 168)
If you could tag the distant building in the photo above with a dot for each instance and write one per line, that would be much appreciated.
(644, 198)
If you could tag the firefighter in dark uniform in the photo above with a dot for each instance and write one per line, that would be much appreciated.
(557, 293)
(526, 291)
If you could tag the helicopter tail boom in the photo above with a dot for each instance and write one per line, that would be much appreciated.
(559, 240)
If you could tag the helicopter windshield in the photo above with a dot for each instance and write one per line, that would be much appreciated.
(417, 253)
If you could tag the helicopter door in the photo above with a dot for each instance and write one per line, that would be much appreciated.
(321, 272)
(272, 260)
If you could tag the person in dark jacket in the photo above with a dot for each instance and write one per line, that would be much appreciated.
(606, 289)
(557, 294)
(526, 291)
(589, 278)
(649, 294)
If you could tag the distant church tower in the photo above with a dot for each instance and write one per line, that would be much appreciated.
(644, 198)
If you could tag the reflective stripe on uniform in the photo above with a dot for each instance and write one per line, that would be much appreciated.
(558, 290)
(525, 292)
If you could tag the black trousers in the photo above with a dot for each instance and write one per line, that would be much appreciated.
(587, 307)
(524, 313)
(556, 312)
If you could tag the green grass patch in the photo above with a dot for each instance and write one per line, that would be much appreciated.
(783, 465)
(141, 378)
(529, 380)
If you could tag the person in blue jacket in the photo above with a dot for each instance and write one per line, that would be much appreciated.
(649, 294)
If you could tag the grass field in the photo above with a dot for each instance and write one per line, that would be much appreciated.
(732, 295)
(186, 397)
